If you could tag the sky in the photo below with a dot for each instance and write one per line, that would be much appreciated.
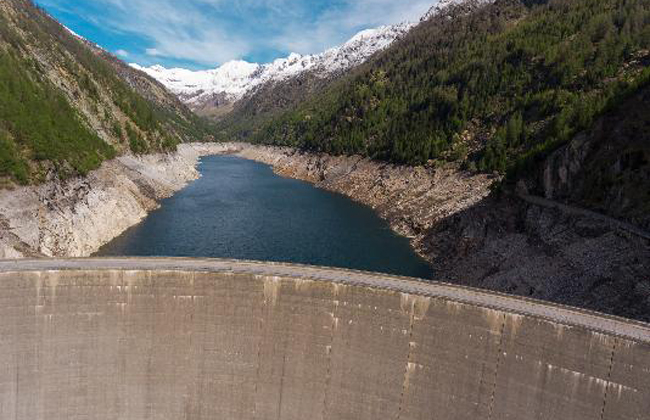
(201, 34)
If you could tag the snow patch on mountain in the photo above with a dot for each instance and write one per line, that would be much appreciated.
(73, 33)
(233, 80)
(453, 7)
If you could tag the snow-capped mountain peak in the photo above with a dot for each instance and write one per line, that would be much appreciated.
(233, 80)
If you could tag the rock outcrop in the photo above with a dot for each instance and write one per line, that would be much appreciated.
(528, 248)
(76, 217)
(411, 199)
(534, 248)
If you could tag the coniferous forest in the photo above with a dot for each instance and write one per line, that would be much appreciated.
(58, 93)
(496, 89)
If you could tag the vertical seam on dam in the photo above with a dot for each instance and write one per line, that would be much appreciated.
(259, 353)
(284, 366)
(17, 393)
(609, 378)
(496, 369)
(405, 383)
(201, 369)
(188, 385)
(328, 377)
(150, 354)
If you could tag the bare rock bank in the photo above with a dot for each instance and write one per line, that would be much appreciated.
(411, 199)
(532, 248)
(76, 217)
(470, 237)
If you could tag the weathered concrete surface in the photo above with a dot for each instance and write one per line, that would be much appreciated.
(212, 339)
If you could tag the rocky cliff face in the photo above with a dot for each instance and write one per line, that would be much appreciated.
(582, 239)
(503, 243)
(76, 217)
(607, 168)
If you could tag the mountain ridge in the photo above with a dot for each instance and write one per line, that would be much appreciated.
(492, 89)
(215, 92)
(229, 83)
(68, 105)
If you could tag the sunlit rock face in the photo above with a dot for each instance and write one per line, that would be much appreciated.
(209, 339)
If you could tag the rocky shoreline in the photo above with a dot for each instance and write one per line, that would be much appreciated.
(411, 199)
(525, 247)
(469, 236)
(74, 218)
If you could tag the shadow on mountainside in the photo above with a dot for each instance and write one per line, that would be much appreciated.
(585, 243)
(508, 245)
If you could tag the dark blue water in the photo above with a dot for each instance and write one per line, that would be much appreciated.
(240, 209)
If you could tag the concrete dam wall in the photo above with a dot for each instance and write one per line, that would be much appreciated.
(210, 339)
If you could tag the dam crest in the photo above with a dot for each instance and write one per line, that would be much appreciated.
(219, 339)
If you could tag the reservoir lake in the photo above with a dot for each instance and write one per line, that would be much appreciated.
(240, 209)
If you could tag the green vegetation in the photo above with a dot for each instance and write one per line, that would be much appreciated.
(45, 127)
(92, 69)
(11, 164)
(136, 142)
(521, 77)
(37, 123)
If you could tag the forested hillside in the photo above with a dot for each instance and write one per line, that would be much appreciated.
(66, 105)
(494, 86)
(605, 168)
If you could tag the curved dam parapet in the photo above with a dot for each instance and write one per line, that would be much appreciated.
(213, 339)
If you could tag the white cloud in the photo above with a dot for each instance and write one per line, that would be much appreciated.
(211, 32)
(336, 25)
(122, 53)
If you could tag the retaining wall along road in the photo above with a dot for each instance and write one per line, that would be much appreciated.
(211, 339)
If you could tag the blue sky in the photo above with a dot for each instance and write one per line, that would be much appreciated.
(202, 34)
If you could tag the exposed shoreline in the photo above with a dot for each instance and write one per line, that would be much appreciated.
(75, 218)
(411, 199)
(470, 238)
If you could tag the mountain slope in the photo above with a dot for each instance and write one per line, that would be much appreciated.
(66, 105)
(492, 86)
(605, 168)
(213, 92)
(548, 246)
